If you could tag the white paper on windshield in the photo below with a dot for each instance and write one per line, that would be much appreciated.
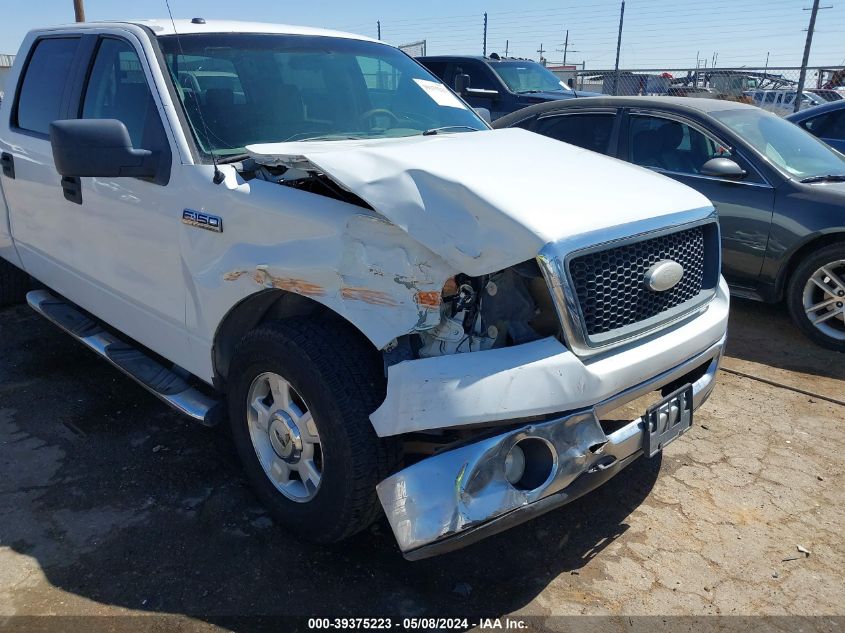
(439, 93)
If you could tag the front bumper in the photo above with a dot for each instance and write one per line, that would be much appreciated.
(460, 496)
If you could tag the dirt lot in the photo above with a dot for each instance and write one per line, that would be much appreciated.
(111, 505)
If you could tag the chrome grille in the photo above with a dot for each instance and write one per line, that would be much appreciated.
(609, 283)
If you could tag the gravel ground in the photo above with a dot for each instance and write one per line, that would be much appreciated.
(112, 505)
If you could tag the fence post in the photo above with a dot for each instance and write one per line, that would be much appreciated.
(803, 76)
(618, 48)
(484, 48)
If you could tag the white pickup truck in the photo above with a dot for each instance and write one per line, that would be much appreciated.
(395, 307)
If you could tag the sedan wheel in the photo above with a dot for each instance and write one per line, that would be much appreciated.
(824, 299)
(816, 296)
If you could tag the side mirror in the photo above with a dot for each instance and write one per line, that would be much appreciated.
(722, 168)
(484, 113)
(483, 93)
(462, 84)
(99, 148)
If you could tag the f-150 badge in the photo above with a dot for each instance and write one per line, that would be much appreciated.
(202, 220)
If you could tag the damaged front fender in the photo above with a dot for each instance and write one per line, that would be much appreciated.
(378, 278)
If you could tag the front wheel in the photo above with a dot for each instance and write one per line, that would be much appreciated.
(300, 395)
(816, 297)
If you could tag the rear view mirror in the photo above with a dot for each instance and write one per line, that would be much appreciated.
(462, 83)
(99, 148)
(722, 168)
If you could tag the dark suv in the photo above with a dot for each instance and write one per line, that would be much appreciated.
(500, 84)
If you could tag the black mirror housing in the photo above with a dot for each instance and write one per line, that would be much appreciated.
(100, 148)
(462, 82)
(722, 168)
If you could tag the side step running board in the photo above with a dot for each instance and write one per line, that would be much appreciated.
(162, 382)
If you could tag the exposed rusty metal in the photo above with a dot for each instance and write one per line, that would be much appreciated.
(428, 298)
(291, 284)
(368, 296)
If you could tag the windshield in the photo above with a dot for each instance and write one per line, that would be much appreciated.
(528, 76)
(799, 154)
(239, 89)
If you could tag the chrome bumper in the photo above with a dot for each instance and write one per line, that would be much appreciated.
(460, 496)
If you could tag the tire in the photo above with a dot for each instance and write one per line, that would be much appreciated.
(335, 376)
(827, 268)
(14, 284)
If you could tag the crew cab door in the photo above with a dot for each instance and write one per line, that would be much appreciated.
(128, 228)
(678, 148)
(45, 235)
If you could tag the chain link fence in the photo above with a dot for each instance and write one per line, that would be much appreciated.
(773, 89)
(414, 49)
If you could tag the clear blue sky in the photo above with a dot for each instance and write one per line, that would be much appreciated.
(658, 33)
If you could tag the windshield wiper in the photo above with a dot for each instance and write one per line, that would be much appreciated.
(825, 178)
(323, 137)
(438, 130)
(232, 158)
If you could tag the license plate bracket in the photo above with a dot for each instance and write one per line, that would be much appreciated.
(667, 420)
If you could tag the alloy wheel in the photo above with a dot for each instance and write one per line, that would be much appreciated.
(824, 299)
(285, 437)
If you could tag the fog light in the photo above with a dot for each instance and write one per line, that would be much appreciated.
(514, 465)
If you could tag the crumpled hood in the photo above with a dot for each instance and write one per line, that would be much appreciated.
(490, 199)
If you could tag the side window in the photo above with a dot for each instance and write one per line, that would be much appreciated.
(830, 125)
(591, 131)
(40, 97)
(437, 68)
(817, 125)
(836, 128)
(117, 89)
(670, 145)
(479, 76)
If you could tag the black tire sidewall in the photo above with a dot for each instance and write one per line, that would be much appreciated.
(795, 294)
(322, 518)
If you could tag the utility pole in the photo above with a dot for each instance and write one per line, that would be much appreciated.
(378, 29)
(541, 50)
(507, 43)
(484, 47)
(803, 76)
(618, 48)
(565, 48)
(79, 10)
(766, 69)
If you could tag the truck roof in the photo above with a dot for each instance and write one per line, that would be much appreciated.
(187, 27)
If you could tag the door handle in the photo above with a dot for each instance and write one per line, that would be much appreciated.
(8, 163)
(72, 188)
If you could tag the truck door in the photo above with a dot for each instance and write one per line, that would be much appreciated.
(129, 227)
(43, 231)
(485, 90)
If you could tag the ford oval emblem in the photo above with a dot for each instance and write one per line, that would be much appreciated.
(664, 275)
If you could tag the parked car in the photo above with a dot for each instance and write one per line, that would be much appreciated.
(779, 191)
(782, 102)
(825, 121)
(826, 93)
(691, 91)
(500, 84)
(311, 242)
